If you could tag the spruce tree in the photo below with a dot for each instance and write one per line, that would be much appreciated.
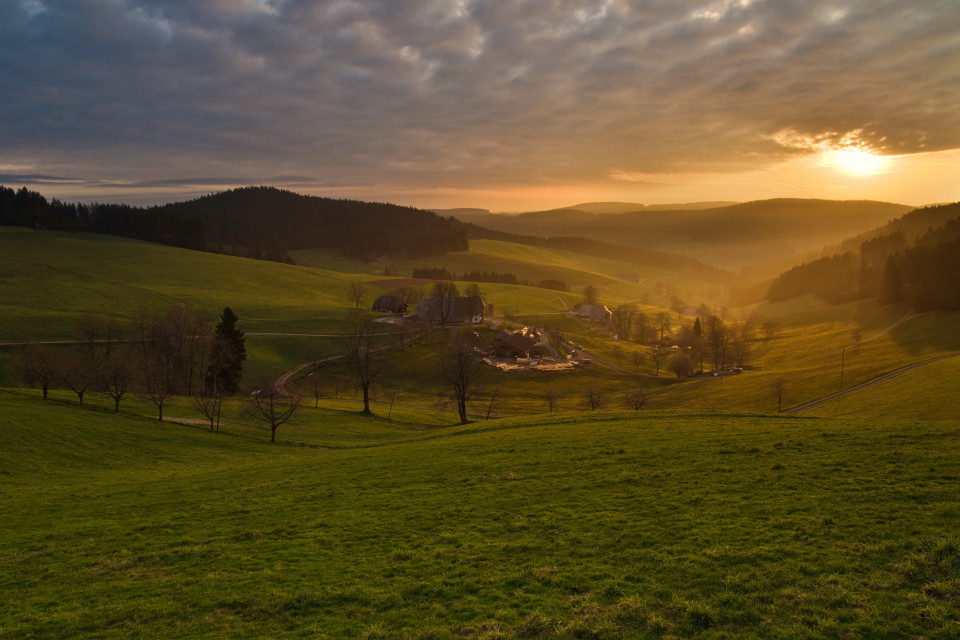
(227, 355)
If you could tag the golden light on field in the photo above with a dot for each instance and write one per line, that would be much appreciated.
(855, 161)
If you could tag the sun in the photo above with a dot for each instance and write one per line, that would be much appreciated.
(855, 161)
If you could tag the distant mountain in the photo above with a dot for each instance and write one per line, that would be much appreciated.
(627, 207)
(730, 236)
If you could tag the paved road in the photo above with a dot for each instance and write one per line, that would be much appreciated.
(806, 406)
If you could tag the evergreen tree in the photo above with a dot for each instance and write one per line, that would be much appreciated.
(227, 355)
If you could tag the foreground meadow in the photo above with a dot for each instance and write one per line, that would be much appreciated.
(604, 525)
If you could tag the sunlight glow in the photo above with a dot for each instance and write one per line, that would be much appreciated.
(855, 161)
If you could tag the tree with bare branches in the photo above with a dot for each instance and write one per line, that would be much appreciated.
(635, 398)
(39, 365)
(593, 398)
(551, 398)
(460, 370)
(444, 292)
(273, 406)
(363, 356)
(779, 387)
(358, 294)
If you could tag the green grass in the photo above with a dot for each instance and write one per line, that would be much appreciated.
(928, 394)
(606, 525)
(49, 280)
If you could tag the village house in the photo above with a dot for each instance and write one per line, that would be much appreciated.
(390, 304)
(595, 312)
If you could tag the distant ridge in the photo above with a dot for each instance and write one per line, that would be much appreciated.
(627, 207)
(731, 236)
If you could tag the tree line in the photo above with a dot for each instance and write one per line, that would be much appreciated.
(177, 351)
(255, 222)
(684, 349)
(442, 273)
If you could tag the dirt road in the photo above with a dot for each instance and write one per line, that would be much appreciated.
(806, 406)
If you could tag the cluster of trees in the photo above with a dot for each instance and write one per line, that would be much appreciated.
(924, 275)
(441, 273)
(174, 352)
(685, 349)
(899, 265)
(257, 222)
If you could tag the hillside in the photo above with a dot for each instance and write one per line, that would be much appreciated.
(731, 236)
(902, 261)
(257, 222)
(607, 525)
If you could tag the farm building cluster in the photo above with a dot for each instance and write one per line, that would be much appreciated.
(523, 349)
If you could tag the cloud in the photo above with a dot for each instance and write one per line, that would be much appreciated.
(448, 94)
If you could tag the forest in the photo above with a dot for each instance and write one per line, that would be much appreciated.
(253, 222)
(900, 262)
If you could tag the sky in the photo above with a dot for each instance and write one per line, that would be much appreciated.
(506, 105)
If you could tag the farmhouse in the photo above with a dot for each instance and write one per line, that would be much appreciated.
(456, 310)
(390, 304)
(595, 312)
(514, 345)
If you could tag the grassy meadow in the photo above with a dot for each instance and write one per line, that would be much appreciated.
(704, 514)
(605, 525)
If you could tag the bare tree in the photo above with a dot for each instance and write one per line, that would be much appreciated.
(742, 333)
(118, 374)
(635, 398)
(273, 406)
(551, 398)
(637, 360)
(591, 294)
(474, 296)
(770, 329)
(593, 398)
(663, 325)
(164, 353)
(365, 358)
(444, 291)
(657, 355)
(358, 293)
(39, 365)
(78, 374)
(313, 381)
(623, 317)
(618, 354)
(677, 306)
(642, 333)
(210, 403)
(718, 337)
(778, 389)
(460, 369)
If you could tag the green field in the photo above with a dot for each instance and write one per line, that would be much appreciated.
(602, 526)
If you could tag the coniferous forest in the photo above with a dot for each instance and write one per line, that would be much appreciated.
(255, 222)
(898, 263)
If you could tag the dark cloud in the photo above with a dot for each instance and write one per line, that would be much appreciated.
(442, 93)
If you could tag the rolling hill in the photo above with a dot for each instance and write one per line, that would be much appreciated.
(730, 236)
